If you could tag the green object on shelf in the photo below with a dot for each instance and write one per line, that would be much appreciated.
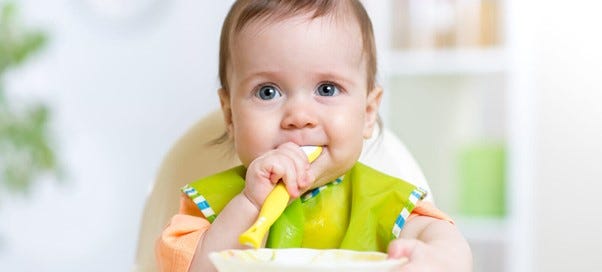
(482, 180)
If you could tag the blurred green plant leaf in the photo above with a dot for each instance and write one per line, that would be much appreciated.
(26, 151)
(17, 43)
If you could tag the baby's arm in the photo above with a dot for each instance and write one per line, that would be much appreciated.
(287, 163)
(234, 219)
(431, 244)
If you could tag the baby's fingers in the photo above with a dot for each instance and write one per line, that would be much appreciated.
(296, 180)
(412, 251)
(401, 248)
(289, 177)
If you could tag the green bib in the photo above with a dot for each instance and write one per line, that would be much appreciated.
(363, 210)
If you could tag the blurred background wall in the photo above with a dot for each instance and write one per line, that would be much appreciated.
(123, 81)
(567, 69)
(125, 78)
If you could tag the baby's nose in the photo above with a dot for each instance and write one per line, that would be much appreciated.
(299, 114)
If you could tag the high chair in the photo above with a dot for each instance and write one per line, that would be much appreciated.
(190, 158)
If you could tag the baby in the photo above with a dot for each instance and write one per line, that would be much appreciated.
(297, 73)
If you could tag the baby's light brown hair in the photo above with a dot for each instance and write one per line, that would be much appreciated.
(244, 12)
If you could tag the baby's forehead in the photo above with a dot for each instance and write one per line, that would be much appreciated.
(298, 50)
(341, 24)
(301, 37)
(346, 20)
(343, 32)
(281, 10)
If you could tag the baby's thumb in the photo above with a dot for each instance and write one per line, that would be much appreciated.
(401, 248)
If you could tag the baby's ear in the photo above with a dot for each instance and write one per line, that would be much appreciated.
(224, 99)
(372, 106)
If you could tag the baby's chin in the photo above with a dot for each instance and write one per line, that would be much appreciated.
(330, 168)
(327, 177)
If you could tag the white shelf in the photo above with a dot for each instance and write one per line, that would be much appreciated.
(445, 62)
(482, 84)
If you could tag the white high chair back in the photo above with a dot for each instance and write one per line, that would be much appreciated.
(191, 158)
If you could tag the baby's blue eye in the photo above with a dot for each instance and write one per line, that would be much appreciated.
(327, 89)
(268, 92)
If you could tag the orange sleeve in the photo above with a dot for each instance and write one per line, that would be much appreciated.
(176, 246)
(426, 208)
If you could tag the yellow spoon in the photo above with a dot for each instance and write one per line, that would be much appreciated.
(273, 206)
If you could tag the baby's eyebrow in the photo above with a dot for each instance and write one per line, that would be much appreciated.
(276, 76)
(259, 74)
(335, 77)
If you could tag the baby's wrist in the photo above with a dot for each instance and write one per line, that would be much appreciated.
(244, 194)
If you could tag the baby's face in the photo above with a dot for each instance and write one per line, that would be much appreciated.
(302, 81)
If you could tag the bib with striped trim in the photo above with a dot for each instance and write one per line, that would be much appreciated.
(363, 210)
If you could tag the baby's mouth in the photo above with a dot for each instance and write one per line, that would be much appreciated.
(312, 152)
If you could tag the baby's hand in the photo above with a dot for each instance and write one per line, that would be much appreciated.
(424, 257)
(287, 163)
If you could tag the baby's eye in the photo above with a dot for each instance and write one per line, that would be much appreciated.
(268, 92)
(327, 89)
